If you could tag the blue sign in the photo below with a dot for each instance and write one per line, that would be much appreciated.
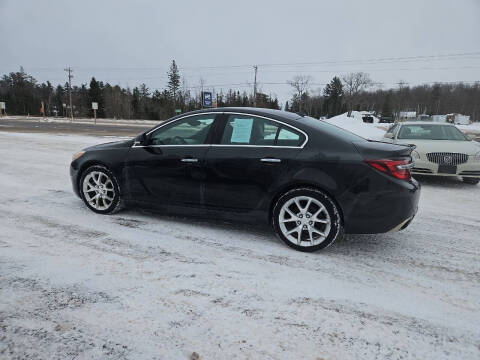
(207, 99)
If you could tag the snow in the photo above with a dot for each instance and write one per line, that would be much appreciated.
(473, 128)
(102, 121)
(138, 285)
(357, 126)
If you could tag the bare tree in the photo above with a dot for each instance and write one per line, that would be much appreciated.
(353, 84)
(301, 84)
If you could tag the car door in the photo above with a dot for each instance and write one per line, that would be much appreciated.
(170, 169)
(251, 158)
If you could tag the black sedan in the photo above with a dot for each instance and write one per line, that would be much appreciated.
(311, 180)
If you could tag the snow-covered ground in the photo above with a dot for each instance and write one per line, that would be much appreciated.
(64, 120)
(76, 285)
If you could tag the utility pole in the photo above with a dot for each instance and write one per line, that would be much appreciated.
(70, 76)
(255, 67)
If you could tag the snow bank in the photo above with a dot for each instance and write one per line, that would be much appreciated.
(357, 126)
(473, 128)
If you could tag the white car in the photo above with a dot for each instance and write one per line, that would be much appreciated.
(441, 149)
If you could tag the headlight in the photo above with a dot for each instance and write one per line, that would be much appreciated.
(415, 155)
(476, 157)
(77, 155)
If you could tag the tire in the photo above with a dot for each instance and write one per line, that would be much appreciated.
(316, 214)
(106, 199)
(471, 181)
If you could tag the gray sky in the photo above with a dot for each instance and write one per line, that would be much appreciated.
(130, 42)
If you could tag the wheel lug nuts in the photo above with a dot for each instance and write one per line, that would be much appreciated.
(298, 222)
(300, 216)
(310, 223)
(307, 216)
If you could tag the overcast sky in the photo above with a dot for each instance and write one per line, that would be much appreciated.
(130, 42)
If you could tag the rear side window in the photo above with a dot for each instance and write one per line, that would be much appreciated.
(252, 130)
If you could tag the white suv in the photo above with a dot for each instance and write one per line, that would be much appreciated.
(441, 149)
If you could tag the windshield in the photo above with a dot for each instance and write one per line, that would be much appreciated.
(430, 132)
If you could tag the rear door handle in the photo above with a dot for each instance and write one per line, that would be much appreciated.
(271, 160)
(189, 160)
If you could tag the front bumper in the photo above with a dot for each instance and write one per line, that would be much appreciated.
(74, 174)
(425, 167)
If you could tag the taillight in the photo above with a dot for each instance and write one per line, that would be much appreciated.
(396, 168)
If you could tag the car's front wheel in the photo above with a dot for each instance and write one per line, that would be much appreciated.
(307, 219)
(472, 181)
(99, 190)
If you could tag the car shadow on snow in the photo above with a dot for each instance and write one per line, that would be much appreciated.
(347, 245)
(446, 182)
(257, 229)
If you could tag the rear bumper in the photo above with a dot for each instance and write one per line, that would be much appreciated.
(386, 208)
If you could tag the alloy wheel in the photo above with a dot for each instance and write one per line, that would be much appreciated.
(304, 221)
(98, 190)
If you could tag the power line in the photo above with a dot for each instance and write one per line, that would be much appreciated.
(451, 56)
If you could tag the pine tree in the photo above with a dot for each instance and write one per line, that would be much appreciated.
(95, 94)
(173, 81)
(334, 97)
(387, 106)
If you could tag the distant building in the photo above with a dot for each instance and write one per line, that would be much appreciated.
(458, 119)
(407, 116)
(423, 117)
(439, 118)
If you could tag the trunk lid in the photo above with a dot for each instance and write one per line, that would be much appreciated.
(380, 150)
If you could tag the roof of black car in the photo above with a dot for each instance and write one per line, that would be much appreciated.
(276, 114)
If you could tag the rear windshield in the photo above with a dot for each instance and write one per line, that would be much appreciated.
(430, 132)
(332, 129)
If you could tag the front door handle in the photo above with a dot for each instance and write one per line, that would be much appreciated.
(271, 160)
(189, 160)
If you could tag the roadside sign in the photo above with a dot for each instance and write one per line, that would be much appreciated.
(2, 105)
(94, 105)
(178, 111)
(207, 99)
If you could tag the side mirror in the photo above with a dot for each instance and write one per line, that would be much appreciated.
(142, 139)
(389, 135)
(472, 136)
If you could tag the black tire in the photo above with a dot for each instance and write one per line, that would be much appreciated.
(471, 181)
(336, 226)
(116, 203)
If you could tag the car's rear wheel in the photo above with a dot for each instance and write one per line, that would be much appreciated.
(307, 219)
(472, 181)
(99, 190)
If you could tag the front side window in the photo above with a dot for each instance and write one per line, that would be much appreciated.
(192, 130)
(251, 130)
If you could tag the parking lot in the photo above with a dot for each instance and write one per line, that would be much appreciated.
(138, 285)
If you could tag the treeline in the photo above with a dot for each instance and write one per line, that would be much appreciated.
(352, 92)
(24, 96)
